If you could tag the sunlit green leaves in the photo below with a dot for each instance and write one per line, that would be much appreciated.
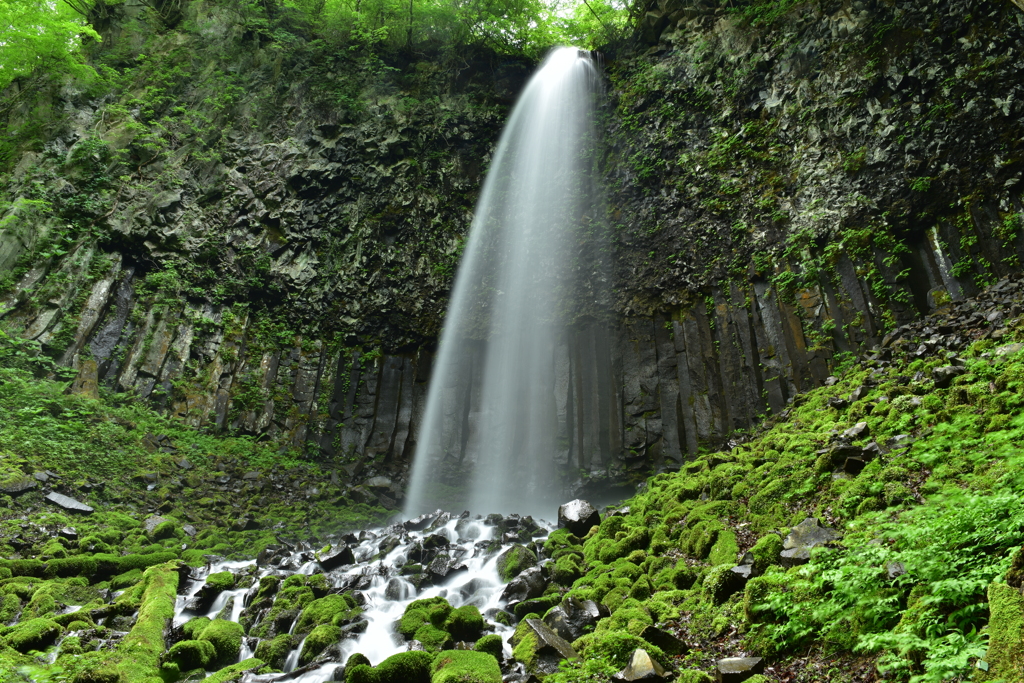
(38, 34)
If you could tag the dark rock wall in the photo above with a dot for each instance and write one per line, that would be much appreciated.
(782, 193)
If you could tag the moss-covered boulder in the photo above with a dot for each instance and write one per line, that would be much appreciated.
(616, 647)
(540, 649)
(234, 673)
(491, 644)
(465, 666)
(404, 667)
(191, 654)
(331, 609)
(464, 623)
(226, 637)
(275, 651)
(424, 620)
(318, 640)
(221, 581)
(1005, 655)
(33, 634)
(514, 560)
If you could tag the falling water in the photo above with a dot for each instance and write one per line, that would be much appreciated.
(516, 290)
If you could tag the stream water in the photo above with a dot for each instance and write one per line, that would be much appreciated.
(375, 579)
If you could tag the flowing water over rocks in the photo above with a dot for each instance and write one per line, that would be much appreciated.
(284, 596)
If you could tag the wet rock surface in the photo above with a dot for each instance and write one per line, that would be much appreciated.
(578, 516)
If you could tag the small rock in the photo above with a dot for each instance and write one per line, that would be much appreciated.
(68, 532)
(641, 667)
(805, 536)
(421, 522)
(895, 569)
(857, 431)
(736, 669)
(839, 452)
(578, 516)
(41, 477)
(1008, 349)
(189, 530)
(152, 523)
(853, 466)
(251, 476)
(945, 375)
(184, 464)
(69, 504)
(378, 483)
(665, 640)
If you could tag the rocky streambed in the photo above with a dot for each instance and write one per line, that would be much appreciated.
(304, 611)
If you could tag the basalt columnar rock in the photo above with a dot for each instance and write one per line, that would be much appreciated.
(782, 190)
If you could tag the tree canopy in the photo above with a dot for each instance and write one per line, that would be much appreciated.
(40, 34)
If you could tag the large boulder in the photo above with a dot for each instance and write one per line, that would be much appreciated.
(515, 560)
(529, 584)
(574, 617)
(335, 556)
(539, 648)
(578, 516)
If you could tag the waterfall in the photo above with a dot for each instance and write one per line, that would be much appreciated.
(526, 273)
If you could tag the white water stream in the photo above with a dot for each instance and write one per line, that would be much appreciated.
(516, 290)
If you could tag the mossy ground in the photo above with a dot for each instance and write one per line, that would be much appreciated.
(929, 528)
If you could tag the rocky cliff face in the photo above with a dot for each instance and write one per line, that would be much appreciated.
(262, 238)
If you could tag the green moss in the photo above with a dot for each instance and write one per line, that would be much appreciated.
(193, 628)
(433, 638)
(464, 623)
(24, 567)
(567, 569)
(536, 605)
(411, 667)
(465, 666)
(221, 581)
(42, 604)
(138, 656)
(491, 644)
(766, 551)
(330, 609)
(191, 654)
(129, 578)
(514, 560)
(525, 648)
(70, 566)
(694, 676)
(33, 634)
(318, 640)
(226, 637)
(275, 651)
(725, 549)
(1005, 655)
(616, 647)
(233, 673)
(432, 611)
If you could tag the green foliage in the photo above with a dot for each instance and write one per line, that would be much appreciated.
(40, 35)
